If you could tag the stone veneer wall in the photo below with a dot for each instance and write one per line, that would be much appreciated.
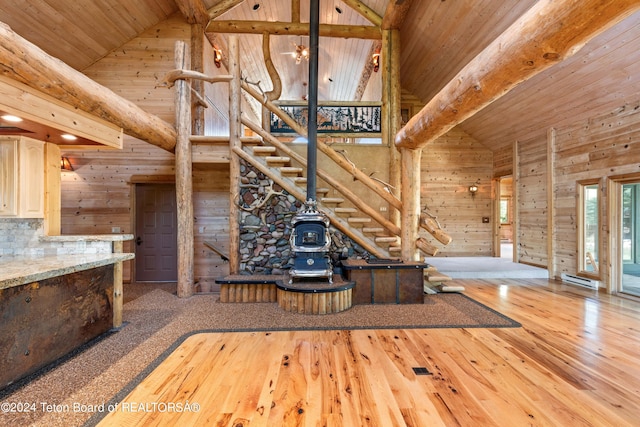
(265, 227)
(22, 236)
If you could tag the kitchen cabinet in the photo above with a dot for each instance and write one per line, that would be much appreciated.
(22, 185)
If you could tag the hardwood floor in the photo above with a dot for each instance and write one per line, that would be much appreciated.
(575, 361)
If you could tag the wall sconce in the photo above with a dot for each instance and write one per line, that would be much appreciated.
(217, 57)
(473, 189)
(65, 164)
(375, 60)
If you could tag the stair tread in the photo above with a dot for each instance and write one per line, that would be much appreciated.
(290, 169)
(345, 210)
(359, 220)
(264, 150)
(332, 200)
(386, 239)
(322, 190)
(373, 230)
(277, 159)
(394, 249)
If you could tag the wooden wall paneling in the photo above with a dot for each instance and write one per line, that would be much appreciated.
(551, 234)
(532, 202)
(449, 166)
(613, 138)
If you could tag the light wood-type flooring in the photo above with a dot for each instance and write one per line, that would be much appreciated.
(574, 362)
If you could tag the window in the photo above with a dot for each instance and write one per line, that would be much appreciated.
(505, 212)
(589, 228)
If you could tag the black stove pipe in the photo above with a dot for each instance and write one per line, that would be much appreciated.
(312, 100)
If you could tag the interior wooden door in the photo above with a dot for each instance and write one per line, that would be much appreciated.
(156, 233)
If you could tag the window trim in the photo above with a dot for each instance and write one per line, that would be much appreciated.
(581, 261)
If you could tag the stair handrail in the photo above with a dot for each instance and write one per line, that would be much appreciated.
(326, 149)
(357, 201)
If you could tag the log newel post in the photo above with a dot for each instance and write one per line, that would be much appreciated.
(410, 217)
(235, 130)
(184, 184)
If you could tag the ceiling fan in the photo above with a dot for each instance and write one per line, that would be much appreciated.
(301, 52)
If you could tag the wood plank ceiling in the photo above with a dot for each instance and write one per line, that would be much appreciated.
(438, 39)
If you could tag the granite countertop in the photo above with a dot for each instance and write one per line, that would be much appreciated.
(19, 270)
(88, 238)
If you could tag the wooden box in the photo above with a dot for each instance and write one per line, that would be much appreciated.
(386, 282)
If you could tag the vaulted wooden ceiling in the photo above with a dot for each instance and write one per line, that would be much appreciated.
(438, 38)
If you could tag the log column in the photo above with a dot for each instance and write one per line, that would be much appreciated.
(392, 105)
(184, 180)
(235, 127)
(410, 160)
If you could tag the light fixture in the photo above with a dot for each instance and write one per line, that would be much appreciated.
(69, 137)
(217, 56)
(473, 189)
(11, 118)
(375, 60)
(65, 164)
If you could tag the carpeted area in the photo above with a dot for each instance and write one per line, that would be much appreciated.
(445, 310)
(157, 319)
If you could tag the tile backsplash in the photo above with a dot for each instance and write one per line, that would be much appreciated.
(20, 236)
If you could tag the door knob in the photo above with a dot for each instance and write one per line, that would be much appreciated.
(138, 241)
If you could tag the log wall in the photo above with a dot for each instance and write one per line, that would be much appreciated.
(449, 166)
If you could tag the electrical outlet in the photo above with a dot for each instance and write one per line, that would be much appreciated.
(383, 208)
(485, 220)
(115, 229)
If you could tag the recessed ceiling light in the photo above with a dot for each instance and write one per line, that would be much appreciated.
(10, 118)
(69, 137)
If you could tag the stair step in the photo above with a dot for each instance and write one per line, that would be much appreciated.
(363, 220)
(386, 239)
(290, 170)
(345, 210)
(394, 249)
(300, 180)
(322, 190)
(271, 160)
(335, 200)
(263, 150)
(373, 230)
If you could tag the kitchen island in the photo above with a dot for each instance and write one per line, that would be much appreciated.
(52, 304)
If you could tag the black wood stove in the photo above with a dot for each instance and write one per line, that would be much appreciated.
(310, 242)
(310, 239)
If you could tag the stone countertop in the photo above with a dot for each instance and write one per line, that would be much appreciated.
(19, 270)
(88, 238)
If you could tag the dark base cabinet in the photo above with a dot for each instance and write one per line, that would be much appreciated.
(386, 283)
(43, 321)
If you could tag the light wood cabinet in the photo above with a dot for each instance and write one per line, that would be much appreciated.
(22, 185)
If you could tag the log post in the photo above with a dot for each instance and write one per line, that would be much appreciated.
(197, 64)
(184, 184)
(235, 127)
(391, 84)
(118, 292)
(411, 203)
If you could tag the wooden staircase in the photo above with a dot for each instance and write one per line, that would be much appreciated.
(350, 220)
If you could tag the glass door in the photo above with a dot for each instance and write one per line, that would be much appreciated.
(630, 238)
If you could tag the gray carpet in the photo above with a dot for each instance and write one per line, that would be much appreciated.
(445, 310)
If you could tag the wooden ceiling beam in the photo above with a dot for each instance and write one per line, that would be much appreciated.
(222, 7)
(194, 10)
(294, 29)
(548, 33)
(26, 63)
(394, 15)
(365, 11)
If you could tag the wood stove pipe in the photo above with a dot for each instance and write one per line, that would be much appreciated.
(312, 100)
